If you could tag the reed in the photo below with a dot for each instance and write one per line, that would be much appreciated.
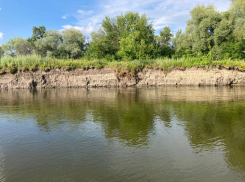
(35, 62)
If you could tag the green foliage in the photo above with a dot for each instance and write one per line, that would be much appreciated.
(179, 43)
(69, 43)
(1, 52)
(49, 43)
(237, 11)
(34, 62)
(232, 48)
(105, 41)
(136, 36)
(129, 36)
(209, 31)
(209, 34)
(73, 43)
(163, 46)
(38, 33)
(17, 46)
(201, 28)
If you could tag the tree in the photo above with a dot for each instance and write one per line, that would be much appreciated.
(23, 47)
(137, 35)
(212, 33)
(9, 47)
(37, 34)
(73, 43)
(128, 36)
(1, 52)
(163, 46)
(69, 42)
(182, 44)
(17, 46)
(105, 42)
(201, 28)
(237, 11)
(50, 42)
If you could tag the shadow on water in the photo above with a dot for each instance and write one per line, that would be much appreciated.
(213, 118)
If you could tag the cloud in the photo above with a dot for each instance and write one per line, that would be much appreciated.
(85, 30)
(173, 13)
(64, 17)
(85, 12)
(1, 35)
(0, 9)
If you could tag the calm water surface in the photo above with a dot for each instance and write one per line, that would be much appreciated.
(118, 135)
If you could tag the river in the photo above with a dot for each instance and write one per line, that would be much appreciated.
(152, 134)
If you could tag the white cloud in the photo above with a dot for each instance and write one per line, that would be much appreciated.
(0, 9)
(85, 30)
(1, 35)
(173, 13)
(64, 17)
(85, 12)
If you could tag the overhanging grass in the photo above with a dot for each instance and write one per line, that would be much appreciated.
(35, 62)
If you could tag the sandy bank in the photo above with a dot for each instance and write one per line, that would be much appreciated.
(107, 77)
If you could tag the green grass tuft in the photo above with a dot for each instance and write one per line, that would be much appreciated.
(35, 62)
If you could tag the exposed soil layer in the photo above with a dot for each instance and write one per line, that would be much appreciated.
(107, 77)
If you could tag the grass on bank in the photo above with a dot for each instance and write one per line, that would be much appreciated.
(35, 62)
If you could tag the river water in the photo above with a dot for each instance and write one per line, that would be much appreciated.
(151, 134)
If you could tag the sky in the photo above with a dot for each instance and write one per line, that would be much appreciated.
(17, 17)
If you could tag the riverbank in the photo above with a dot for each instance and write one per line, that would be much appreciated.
(109, 77)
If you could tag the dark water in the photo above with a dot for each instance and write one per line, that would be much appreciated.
(117, 135)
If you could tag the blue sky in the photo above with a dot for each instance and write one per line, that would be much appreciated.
(17, 17)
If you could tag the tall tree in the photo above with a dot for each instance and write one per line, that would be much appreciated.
(61, 44)
(1, 52)
(212, 33)
(17, 46)
(163, 47)
(49, 44)
(37, 34)
(238, 12)
(73, 43)
(128, 36)
(104, 42)
(136, 38)
(201, 27)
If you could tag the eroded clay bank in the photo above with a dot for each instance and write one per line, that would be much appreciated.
(107, 77)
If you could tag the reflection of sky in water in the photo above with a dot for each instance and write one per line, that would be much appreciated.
(2, 178)
(151, 134)
(184, 160)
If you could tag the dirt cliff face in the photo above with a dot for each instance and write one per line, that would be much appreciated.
(107, 77)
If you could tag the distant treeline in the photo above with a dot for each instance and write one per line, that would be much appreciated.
(130, 36)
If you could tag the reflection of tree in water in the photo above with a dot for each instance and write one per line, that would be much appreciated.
(164, 112)
(123, 118)
(2, 174)
(48, 114)
(209, 125)
(130, 119)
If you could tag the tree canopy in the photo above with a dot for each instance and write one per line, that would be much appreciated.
(131, 36)
(213, 33)
(1, 52)
(17, 46)
(128, 36)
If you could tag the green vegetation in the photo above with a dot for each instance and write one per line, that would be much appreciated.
(129, 42)
(129, 36)
(35, 62)
(1, 52)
